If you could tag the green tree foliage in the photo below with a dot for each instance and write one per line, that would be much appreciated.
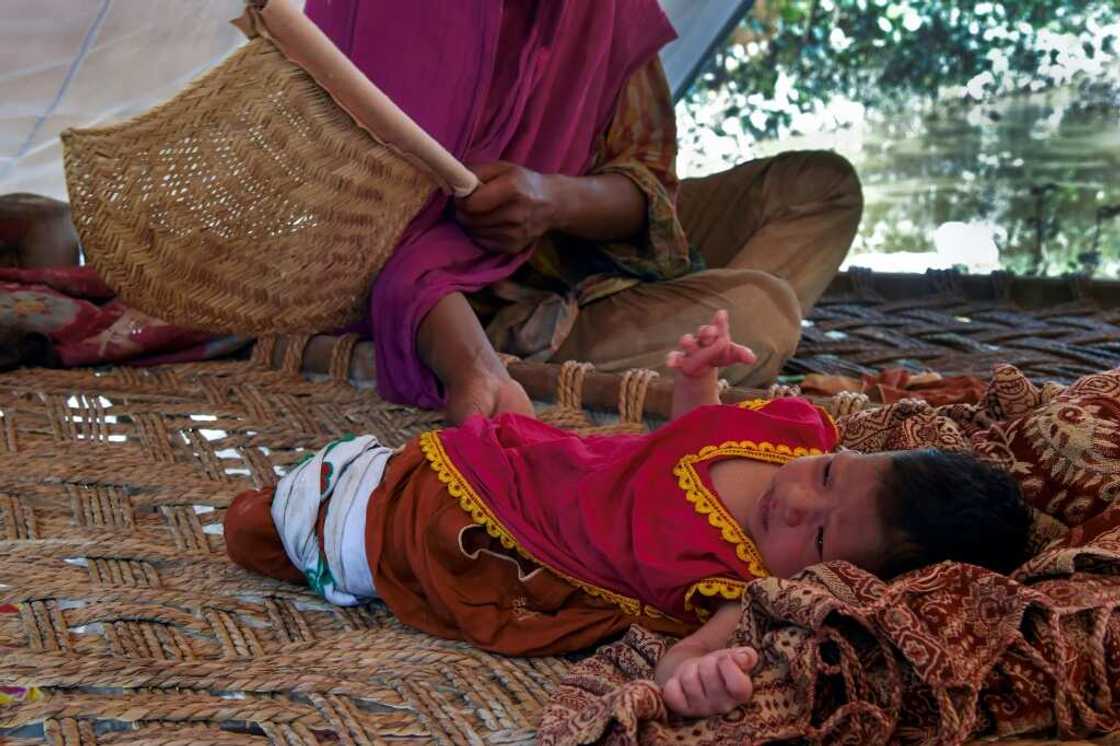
(797, 55)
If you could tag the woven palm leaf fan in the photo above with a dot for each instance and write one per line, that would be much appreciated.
(258, 200)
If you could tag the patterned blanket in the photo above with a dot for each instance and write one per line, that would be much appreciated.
(939, 655)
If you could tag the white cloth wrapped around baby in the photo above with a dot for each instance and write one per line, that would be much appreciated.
(346, 472)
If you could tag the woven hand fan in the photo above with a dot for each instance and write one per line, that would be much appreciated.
(258, 200)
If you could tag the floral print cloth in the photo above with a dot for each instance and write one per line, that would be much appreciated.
(87, 325)
(939, 655)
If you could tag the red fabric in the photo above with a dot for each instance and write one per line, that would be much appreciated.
(611, 511)
(87, 325)
(440, 572)
(251, 537)
(76, 282)
(939, 655)
(1062, 444)
(1065, 452)
(895, 384)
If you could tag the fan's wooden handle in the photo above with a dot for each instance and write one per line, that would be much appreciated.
(306, 45)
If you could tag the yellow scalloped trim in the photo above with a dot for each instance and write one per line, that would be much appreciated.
(756, 404)
(481, 514)
(706, 503)
(725, 588)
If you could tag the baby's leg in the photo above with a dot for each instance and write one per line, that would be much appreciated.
(311, 526)
(252, 540)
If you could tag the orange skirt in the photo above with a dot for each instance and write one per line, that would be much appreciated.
(440, 572)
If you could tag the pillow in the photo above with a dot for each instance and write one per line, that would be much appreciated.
(1062, 444)
(1064, 452)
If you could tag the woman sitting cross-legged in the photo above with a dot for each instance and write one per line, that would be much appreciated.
(580, 243)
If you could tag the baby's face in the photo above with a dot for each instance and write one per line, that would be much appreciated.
(821, 508)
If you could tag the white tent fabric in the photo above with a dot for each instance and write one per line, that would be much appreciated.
(71, 63)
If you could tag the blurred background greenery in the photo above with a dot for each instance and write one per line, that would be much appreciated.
(987, 134)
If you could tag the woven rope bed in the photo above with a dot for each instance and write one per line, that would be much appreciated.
(120, 609)
(1050, 328)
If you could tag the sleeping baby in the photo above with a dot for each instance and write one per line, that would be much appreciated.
(525, 539)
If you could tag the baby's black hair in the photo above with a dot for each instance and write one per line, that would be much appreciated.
(939, 505)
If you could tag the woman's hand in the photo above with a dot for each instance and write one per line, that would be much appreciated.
(709, 349)
(511, 208)
(711, 684)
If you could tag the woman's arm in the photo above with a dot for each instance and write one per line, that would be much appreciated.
(700, 675)
(697, 360)
(627, 200)
(604, 207)
(515, 206)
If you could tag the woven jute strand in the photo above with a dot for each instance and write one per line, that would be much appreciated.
(118, 605)
(1052, 329)
(250, 203)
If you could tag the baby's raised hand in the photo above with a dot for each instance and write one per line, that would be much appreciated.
(711, 347)
(711, 684)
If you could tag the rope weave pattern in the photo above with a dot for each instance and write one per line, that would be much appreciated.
(568, 411)
(120, 610)
(1052, 330)
(118, 604)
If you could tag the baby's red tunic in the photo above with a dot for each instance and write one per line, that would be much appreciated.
(630, 520)
(526, 539)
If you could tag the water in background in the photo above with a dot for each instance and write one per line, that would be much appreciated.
(1019, 183)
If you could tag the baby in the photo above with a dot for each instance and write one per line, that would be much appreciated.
(525, 539)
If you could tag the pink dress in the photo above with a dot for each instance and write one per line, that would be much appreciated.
(632, 519)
